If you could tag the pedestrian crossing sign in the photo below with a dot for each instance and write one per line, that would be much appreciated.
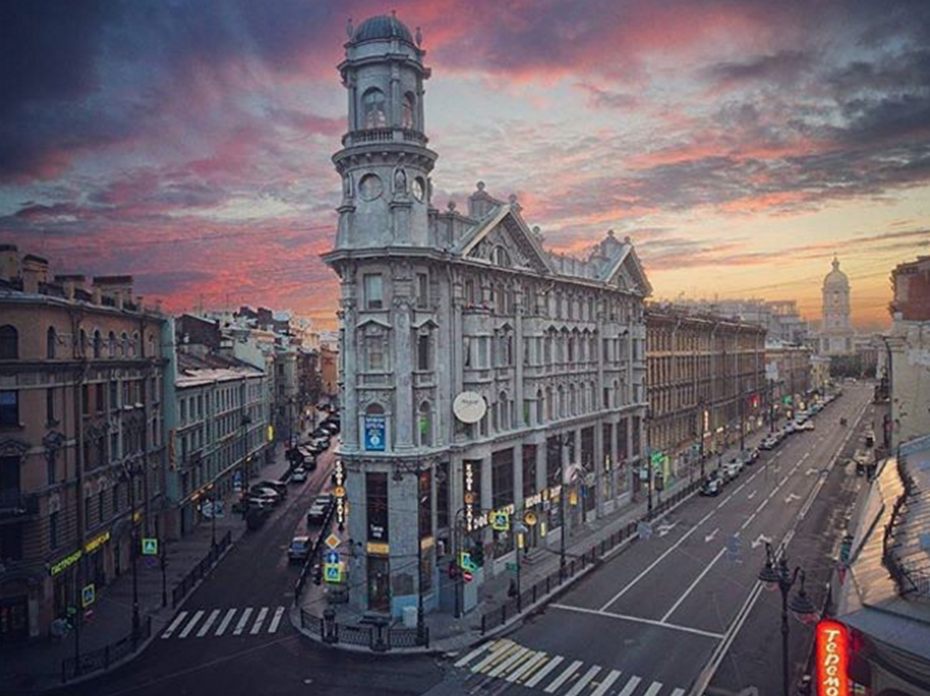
(466, 562)
(149, 546)
(332, 572)
(88, 595)
(500, 520)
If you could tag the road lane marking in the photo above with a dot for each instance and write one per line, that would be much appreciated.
(224, 624)
(541, 674)
(639, 619)
(763, 504)
(655, 562)
(752, 495)
(678, 692)
(473, 654)
(190, 624)
(513, 659)
(563, 677)
(174, 624)
(710, 537)
(748, 521)
(526, 666)
(584, 680)
(653, 689)
(275, 620)
(630, 686)
(208, 623)
(601, 690)
(693, 585)
(240, 627)
(260, 619)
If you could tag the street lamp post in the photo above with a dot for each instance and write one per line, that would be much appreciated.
(776, 575)
(647, 422)
(130, 471)
(701, 406)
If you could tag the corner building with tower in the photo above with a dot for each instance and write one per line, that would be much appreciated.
(479, 372)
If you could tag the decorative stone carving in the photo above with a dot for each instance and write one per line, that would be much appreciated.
(11, 447)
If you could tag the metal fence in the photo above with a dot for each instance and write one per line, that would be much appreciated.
(593, 555)
(375, 637)
(102, 658)
(201, 569)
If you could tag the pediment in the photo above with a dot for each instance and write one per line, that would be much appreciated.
(627, 273)
(505, 241)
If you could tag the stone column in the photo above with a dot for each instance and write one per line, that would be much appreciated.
(599, 467)
(403, 374)
(518, 476)
(350, 434)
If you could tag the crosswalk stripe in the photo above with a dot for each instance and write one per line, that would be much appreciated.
(526, 666)
(584, 680)
(678, 692)
(224, 624)
(257, 626)
(653, 689)
(541, 674)
(276, 619)
(495, 655)
(504, 654)
(630, 686)
(473, 654)
(563, 677)
(190, 624)
(506, 664)
(240, 627)
(608, 682)
(174, 624)
(208, 623)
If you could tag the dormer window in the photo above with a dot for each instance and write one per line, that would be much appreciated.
(373, 103)
(500, 257)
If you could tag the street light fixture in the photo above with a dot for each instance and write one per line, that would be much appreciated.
(776, 576)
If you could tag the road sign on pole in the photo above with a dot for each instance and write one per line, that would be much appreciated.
(149, 546)
(467, 576)
(332, 572)
(88, 595)
(500, 520)
(331, 557)
(332, 541)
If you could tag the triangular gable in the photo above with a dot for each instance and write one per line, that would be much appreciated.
(378, 321)
(505, 227)
(627, 272)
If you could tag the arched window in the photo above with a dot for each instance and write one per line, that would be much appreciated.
(124, 344)
(504, 411)
(408, 113)
(425, 425)
(51, 343)
(134, 346)
(470, 297)
(572, 401)
(9, 342)
(111, 341)
(550, 408)
(82, 348)
(499, 302)
(500, 257)
(561, 402)
(374, 108)
(540, 407)
(98, 343)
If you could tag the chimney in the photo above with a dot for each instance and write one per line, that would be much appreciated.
(35, 272)
(71, 283)
(118, 287)
(9, 262)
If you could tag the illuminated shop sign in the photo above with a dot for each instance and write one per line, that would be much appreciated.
(832, 659)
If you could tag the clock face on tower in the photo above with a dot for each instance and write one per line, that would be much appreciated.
(417, 189)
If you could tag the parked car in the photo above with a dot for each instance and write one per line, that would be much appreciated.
(711, 486)
(752, 455)
(733, 468)
(264, 493)
(299, 548)
(320, 508)
(806, 425)
(299, 475)
(769, 443)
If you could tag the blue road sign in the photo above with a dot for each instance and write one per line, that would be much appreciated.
(375, 427)
(331, 557)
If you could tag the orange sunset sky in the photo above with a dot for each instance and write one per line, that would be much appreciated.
(740, 144)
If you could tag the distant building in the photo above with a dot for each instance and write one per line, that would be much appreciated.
(820, 373)
(911, 283)
(705, 384)
(836, 333)
(81, 447)
(781, 319)
(788, 371)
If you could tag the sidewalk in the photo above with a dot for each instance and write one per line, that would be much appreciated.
(497, 610)
(37, 666)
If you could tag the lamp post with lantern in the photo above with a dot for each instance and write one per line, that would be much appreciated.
(776, 575)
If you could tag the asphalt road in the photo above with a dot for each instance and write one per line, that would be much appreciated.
(648, 620)
(232, 636)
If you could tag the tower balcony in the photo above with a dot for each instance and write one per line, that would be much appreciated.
(383, 135)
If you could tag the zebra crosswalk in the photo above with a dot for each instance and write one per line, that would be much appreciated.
(555, 674)
(214, 623)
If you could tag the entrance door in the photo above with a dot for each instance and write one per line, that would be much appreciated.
(14, 619)
(379, 596)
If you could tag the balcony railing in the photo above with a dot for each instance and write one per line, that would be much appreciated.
(14, 503)
(384, 135)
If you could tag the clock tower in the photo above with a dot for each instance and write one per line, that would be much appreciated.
(384, 164)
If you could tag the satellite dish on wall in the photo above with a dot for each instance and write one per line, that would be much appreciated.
(469, 407)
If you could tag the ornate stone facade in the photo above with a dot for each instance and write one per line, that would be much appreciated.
(437, 304)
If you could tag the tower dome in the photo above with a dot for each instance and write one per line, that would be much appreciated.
(382, 27)
(836, 278)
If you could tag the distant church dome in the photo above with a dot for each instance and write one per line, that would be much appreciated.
(382, 27)
(836, 278)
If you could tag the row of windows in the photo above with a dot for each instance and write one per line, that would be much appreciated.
(112, 346)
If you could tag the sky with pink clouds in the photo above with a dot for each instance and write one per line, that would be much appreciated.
(740, 143)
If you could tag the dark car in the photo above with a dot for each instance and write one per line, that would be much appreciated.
(265, 493)
(255, 517)
(711, 486)
(279, 487)
(299, 548)
(317, 513)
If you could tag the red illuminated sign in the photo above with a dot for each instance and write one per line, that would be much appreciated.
(832, 659)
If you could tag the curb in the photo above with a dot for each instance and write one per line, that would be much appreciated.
(509, 625)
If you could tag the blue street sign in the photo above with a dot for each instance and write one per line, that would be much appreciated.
(331, 557)
(374, 433)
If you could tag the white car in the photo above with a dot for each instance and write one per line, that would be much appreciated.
(299, 476)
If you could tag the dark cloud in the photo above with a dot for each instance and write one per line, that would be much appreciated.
(777, 68)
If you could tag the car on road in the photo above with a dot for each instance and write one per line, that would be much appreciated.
(255, 517)
(732, 468)
(279, 487)
(806, 425)
(751, 455)
(769, 443)
(299, 548)
(265, 493)
(317, 513)
(711, 486)
(299, 475)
